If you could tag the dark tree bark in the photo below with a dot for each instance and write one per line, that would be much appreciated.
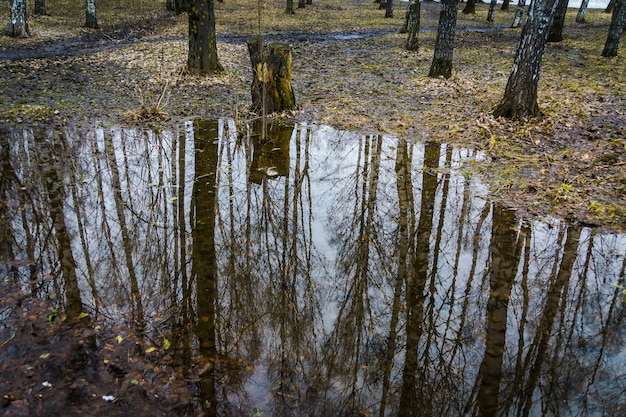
(18, 20)
(91, 20)
(505, 5)
(519, 13)
(505, 251)
(289, 9)
(556, 30)
(389, 9)
(618, 20)
(610, 6)
(301, 4)
(580, 17)
(309, 1)
(520, 95)
(202, 57)
(177, 6)
(470, 7)
(492, 11)
(413, 26)
(271, 77)
(40, 8)
(444, 45)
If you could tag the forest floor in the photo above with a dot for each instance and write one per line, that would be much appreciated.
(569, 163)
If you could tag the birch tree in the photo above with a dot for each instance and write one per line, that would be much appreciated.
(520, 95)
(91, 20)
(618, 21)
(18, 20)
(444, 45)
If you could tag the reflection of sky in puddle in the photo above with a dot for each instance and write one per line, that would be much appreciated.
(315, 268)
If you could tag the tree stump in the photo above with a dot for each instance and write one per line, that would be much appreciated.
(271, 77)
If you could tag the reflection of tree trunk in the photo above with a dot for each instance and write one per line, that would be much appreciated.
(180, 240)
(7, 179)
(126, 239)
(410, 405)
(84, 241)
(51, 166)
(505, 253)
(204, 265)
(406, 223)
(539, 347)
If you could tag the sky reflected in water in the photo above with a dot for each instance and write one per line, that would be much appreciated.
(301, 270)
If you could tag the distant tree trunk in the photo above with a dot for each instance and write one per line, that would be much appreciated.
(271, 77)
(309, 1)
(492, 10)
(520, 95)
(202, 57)
(609, 7)
(289, 9)
(505, 5)
(519, 13)
(618, 20)
(40, 8)
(389, 9)
(580, 17)
(444, 45)
(18, 20)
(407, 14)
(556, 30)
(470, 7)
(301, 4)
(91, 21)
(177, 6)
(413, 26)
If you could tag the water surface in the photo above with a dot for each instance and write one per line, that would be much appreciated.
(300, 270)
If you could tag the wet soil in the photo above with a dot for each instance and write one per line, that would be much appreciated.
(50, 366)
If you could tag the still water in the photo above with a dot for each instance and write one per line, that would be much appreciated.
(308, 271)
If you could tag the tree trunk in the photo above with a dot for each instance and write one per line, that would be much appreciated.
(40, 8)
(389, 9)
(91, 20)
(301, 4)
(470, 7)
(179, 6)
(610, 6)
(556, 30)
(289, 9)
(18, 20)
(413, 26)
(202, 57)
(492, 11)
(615, 30)
(444, 45)
(580, 17)
(520, 96)
(519, 13)
(271, 77)
(309, 1)
(505, 5)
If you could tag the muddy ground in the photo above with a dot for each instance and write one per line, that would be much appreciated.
(569, 163)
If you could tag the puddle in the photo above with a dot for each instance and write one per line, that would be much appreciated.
(302, 270)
